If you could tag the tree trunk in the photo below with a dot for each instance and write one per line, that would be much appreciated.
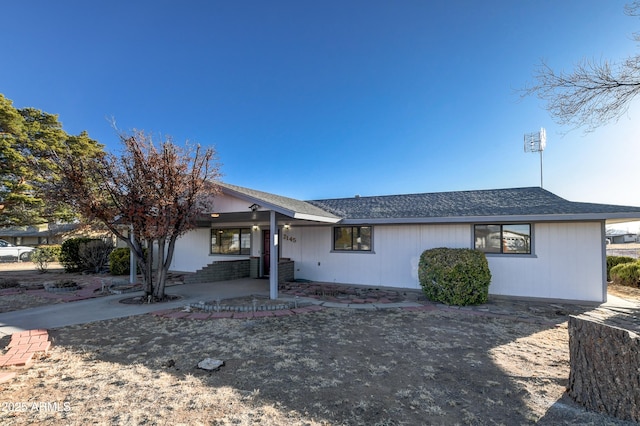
(142, 261)
(604, 372)
(162, 271)
(149, 269)
(164, 263)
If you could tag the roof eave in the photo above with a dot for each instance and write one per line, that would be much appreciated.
(610, 217)
(315, 218)
(266, 205)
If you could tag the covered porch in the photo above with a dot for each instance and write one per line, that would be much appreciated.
(248, 225)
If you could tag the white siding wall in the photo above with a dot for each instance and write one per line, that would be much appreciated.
(228, 204)
(192, 251)
(393, 263)
(568, 264)
(193, 248)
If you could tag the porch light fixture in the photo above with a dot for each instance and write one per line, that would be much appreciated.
(215, 214)
(255, 227)
(287, 226)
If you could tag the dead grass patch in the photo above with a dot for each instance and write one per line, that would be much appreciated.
(623, 291)
(335, 366)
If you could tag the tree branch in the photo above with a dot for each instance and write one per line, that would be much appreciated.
(594, 94)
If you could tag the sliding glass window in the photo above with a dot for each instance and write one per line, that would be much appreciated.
(352, 238)
(231, 241)
(505, 239)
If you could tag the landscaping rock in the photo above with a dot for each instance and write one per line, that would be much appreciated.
(210, 364)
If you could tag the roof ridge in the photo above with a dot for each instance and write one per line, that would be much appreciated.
(466, 191)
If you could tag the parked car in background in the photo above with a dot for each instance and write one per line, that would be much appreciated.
(10, 252)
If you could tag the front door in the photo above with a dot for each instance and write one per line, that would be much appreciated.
(266, 253)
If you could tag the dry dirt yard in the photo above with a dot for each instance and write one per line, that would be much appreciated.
(30, 280)
(335, 366)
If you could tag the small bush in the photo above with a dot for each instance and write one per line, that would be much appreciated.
(626, 274)
(94, 255)
(44, 255)
(616, 260)
(70, 254)
(65, 284)
(119, 261)
(455, 276)
(9, 283)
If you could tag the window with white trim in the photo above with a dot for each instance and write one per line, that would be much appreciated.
(514, 238)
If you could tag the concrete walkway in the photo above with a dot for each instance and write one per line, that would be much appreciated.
(29, 327)
(108, 307)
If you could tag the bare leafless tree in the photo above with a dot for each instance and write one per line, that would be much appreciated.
(156, 191)
(594, 93)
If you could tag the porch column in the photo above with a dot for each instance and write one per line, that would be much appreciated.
(273, 267)
(133, 265)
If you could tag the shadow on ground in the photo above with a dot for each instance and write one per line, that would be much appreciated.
(497, 365)
(505, 362)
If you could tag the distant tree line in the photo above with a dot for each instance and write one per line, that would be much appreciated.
(29, 139)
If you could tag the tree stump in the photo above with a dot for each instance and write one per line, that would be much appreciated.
(605, 368)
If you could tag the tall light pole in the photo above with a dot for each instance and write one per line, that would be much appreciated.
(536, 142)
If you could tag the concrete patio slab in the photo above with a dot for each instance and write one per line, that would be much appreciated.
(109, 307)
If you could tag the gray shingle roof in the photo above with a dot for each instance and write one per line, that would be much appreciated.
(517, 202)
(289, 206)
(36, 232)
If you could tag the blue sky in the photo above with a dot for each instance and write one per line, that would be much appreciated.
(323, 99)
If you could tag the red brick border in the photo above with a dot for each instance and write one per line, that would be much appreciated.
(169, 313)
(22, 349)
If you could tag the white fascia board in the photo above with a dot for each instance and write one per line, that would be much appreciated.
(277, 209)
(265, 205)
(297, 215)
(497, 219)
(623, 217)
(315, 218)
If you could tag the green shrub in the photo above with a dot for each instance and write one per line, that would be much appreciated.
(9, 283)
(94, 255)
(70, 254)
(455, 276)
(119, 261)
(44, 255)
(626, 274)
(616, 260)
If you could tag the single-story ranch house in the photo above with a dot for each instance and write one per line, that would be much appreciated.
(37, 234)
(538, 244)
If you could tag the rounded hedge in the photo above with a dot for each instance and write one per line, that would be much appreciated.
(70, 254)
(626, 274)
(616, 260)
(119, 261)
(455, 276)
